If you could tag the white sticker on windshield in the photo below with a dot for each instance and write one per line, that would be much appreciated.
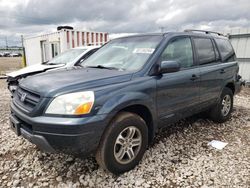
(143, 50)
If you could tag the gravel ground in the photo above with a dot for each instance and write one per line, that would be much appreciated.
(179, 157)
(9, 64)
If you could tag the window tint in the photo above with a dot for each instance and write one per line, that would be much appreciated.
(226, 50)
(179, 50)
(217, 55)
(205, 50)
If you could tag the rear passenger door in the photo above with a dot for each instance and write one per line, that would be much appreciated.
(228, 68)
(178, 92)
(208, 58)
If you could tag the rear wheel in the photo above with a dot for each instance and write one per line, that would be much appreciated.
(123, 143)
(221, 112)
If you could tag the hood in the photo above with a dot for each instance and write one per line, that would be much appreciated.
(32, 69)
(50, 84)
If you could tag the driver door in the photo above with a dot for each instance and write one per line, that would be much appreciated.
(178, 92)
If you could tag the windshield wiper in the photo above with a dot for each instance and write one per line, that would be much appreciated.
(44, 63)
(102, 67)
(54, 63)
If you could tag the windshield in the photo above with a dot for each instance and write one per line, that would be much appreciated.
(128, 54)
(66, 57)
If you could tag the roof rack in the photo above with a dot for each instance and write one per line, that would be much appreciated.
(203, 31)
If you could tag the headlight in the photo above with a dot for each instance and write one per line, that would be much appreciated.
(12, 88)
(72, 104)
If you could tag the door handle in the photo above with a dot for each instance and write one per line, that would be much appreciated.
(222, 71)
(194, 77)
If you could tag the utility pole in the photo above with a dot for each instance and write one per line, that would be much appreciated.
(162, 29)
(22, 41)
(6, 42)
(23, 56)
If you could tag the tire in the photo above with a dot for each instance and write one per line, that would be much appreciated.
(122, 125)
(218, 113)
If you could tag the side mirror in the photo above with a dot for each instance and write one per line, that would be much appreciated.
(169, 66)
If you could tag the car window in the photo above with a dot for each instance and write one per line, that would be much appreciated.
(66, 57)
(179, 50)
(217, 55)
(205, 50)
(226, 50)
(124, 54)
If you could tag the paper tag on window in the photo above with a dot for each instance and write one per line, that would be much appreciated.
(143, 50)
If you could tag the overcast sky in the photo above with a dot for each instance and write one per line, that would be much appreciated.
(33, 17)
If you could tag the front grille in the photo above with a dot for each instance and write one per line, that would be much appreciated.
(26, 99)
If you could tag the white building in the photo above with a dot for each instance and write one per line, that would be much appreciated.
(42, 48)
(240, 39)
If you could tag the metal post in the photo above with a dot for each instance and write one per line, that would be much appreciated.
(24, 56)
(6, 42)
(162, 29)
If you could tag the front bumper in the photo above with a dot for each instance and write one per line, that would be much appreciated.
(60, 134)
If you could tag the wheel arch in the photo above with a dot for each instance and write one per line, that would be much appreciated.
(145, 114)
(141, 110)
(231, 86)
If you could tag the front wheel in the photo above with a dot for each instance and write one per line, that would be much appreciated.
(221, 112)
(123, 143)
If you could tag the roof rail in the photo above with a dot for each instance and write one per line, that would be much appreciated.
(203, 31)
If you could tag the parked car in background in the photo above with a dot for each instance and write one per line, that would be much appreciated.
(6, 54)
(126, 92)
(15, 54)
(69, 58)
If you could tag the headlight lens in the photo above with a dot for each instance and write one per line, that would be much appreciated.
(12, 88)
(72, 104)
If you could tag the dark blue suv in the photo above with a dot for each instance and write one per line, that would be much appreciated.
(115, 101)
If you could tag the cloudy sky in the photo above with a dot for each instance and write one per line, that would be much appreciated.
(33, 17)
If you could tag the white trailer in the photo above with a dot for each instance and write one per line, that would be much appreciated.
(42, 48)
(240, 39)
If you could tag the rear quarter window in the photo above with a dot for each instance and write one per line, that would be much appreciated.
(226, 50)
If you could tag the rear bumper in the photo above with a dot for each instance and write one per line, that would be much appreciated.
(60, 134)
(238, 86)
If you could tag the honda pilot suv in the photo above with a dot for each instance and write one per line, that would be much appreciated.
(115, 102)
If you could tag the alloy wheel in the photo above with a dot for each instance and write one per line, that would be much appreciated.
(226, 105)
(127, 145)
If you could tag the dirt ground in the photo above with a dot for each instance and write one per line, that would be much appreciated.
(8, 64)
